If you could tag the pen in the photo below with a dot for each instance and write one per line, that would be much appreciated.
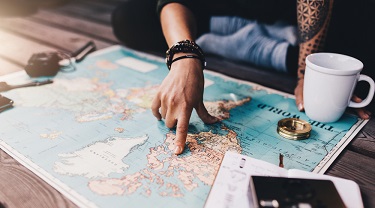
(81, 53)
(5, 86)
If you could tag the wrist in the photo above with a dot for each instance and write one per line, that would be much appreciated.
(185, 49)
(187, 64)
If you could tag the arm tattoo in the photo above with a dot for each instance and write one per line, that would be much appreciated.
(313, 19)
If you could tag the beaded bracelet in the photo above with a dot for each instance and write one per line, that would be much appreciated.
(185, 46)
(190, 56)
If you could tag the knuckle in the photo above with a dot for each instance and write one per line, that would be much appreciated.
(180, 142)
(163, 95)
(172, 101)
(154, 108)
(170, 124)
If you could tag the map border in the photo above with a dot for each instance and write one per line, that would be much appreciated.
(81, 201)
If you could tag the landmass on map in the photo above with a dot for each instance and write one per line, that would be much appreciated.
(200, 161)
(99, 159)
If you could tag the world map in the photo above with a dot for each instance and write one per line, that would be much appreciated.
(92, 135)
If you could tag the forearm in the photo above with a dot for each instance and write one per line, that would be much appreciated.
(313, 20)
(178, 23)
(182, 89)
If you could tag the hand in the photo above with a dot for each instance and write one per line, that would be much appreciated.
(179, 93)
(361, 112)
(298, 92)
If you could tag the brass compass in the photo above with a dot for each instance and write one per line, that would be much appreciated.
(294, 128)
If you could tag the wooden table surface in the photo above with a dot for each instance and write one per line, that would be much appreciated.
(66, 27)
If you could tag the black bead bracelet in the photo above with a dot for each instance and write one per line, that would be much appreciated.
(185, 46)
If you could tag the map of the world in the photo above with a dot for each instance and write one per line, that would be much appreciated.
(91, 133)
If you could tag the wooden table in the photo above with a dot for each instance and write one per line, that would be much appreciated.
(66, 27)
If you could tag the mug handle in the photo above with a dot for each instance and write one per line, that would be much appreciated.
(370, 94)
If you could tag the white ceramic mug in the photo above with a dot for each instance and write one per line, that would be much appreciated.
(329, 83)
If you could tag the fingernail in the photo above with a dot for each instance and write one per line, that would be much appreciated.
(178, 150)
(300, 107)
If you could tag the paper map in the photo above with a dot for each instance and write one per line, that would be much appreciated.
(91, 134)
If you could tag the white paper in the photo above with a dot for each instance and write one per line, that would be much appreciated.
(231, 185)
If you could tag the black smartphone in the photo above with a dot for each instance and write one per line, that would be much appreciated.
(294, 192)
(5, 103)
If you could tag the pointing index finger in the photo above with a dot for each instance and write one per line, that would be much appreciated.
(181, 132)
